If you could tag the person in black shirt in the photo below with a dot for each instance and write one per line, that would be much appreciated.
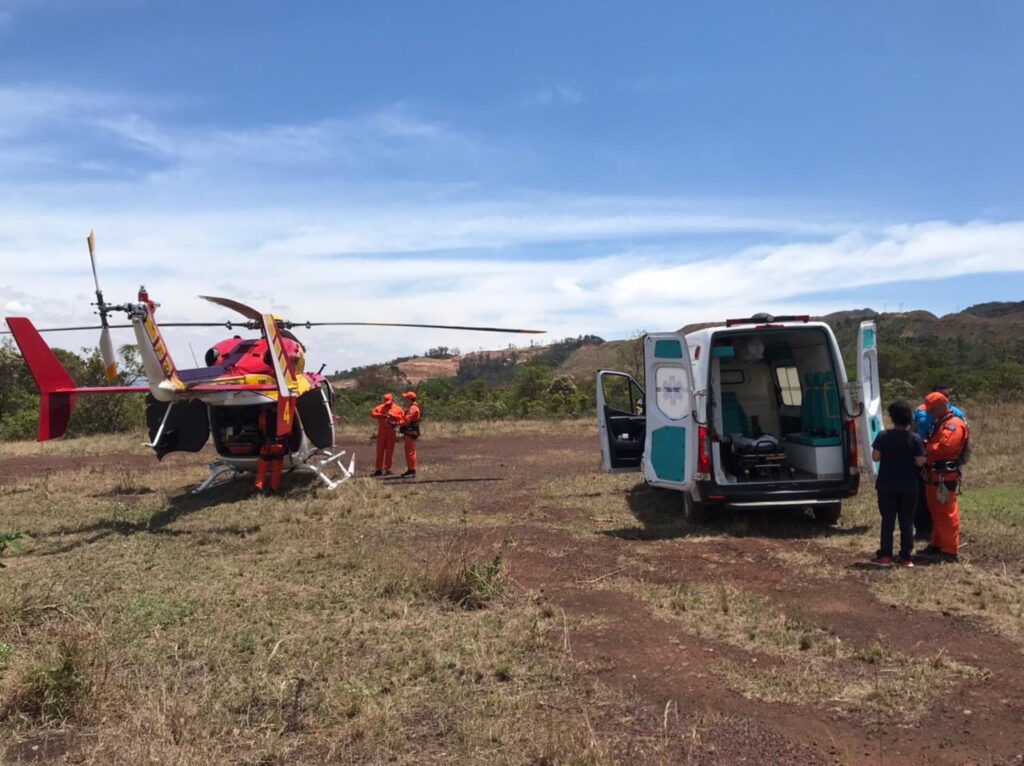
(899, 453)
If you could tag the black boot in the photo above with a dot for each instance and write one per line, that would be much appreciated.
(409, 475)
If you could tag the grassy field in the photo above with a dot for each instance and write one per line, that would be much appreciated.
(514, 606)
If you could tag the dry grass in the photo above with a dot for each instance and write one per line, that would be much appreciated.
(805, 664)
(804, 561)
(997, 445)
(994, 596)
(585, 428)
(100, 444)
(355, 627)
(379, 624)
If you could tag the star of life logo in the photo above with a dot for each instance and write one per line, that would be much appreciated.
(670, 387)
(671, 393)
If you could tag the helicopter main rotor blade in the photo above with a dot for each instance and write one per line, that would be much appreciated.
(227, 325)
(247, 311)
(470, 328)
(290, 325)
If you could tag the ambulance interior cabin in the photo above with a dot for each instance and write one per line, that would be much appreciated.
(775, 407)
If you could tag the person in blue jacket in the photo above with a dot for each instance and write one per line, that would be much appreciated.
(924, 424)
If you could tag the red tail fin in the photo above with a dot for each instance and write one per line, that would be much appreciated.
(56, 395)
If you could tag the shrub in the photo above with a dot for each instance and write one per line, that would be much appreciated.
(9, 540)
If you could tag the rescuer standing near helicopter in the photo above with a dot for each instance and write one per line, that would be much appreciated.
(410, 428)
(388, 415)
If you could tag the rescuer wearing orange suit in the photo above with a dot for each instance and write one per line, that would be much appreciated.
(944, 455)
(410, 427)
(388, 415)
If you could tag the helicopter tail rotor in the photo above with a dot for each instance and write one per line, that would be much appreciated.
(102, 308)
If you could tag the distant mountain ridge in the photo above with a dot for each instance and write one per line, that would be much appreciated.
(997, 325)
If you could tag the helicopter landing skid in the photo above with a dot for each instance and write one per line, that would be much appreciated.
(329, 459)
(219, 474)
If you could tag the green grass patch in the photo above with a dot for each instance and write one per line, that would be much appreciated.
(1004, 504)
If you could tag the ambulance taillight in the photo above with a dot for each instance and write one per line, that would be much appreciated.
(854, 454)
(703, 454)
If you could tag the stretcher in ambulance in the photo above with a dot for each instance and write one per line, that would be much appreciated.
(756, 413)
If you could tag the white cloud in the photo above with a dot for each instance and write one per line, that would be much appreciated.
(552, 95)
(607, 294)
(247, 212)
(27, 106)
(49, 124)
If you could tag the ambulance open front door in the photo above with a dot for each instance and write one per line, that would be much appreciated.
(620, 421)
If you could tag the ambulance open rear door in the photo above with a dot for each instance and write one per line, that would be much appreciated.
(670, 444)
(870, 391)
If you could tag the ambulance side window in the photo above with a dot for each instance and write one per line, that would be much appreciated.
(788, 379)
(620, 393)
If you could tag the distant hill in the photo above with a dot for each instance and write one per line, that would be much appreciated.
(495, 367)
(997, 310)
(915, 346)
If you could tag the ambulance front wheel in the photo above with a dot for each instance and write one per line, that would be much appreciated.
(828, 513)
(695, 512)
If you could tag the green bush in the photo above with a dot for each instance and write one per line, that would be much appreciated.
(19, 397)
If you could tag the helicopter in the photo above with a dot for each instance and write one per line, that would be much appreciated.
(265, 412)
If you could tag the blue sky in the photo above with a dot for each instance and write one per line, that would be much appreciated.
(583, 167)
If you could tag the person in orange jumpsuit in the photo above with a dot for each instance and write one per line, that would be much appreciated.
(410, 427)
(944, 447)
(388, 415)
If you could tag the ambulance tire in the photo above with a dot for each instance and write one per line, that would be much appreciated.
(695, 512)
(828, 513)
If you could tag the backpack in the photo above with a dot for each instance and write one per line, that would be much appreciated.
(965, 454)
(965, 451)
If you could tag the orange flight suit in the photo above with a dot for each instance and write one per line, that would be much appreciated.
(388, 415)
(272, 452)
(944, 447)
(412, 415)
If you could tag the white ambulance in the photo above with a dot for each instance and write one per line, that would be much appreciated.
(756, 413)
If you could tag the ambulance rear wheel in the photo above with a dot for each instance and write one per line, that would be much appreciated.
(828, 513)
(695, 512)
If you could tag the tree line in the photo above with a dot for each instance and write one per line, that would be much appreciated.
(19, 398)
(529, 383)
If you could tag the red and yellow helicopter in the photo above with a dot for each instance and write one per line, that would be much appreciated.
(266, 413)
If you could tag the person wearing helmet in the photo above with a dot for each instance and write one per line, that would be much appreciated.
(945, 448)
(388, 415)
(924, 424)
(410, 428)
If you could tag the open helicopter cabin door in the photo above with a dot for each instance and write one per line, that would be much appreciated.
(870, 391)
(182, 426)
(670, 445)
(620, 421)
(317, 416)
